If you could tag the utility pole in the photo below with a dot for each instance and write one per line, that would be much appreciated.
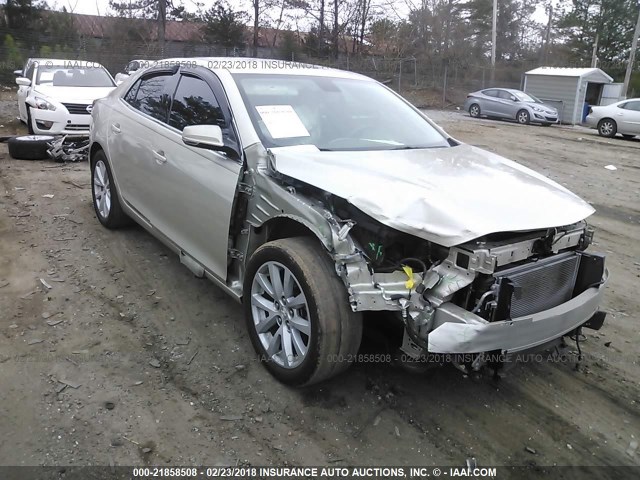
(494, 36)
(594, 56)
(162, 23)
(632, 57)
(547, 39)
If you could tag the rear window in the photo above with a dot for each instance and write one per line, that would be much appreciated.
(73, 77)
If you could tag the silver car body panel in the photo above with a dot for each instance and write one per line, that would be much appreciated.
(449, 196)
(414, 191)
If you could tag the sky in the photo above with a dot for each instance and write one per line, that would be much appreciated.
(100, 7)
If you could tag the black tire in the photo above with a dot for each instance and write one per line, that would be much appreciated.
(607, 128)
(335, 330)
(523, 117)
(474, 111)
(30, 147)
(628, 137)
(115, 217)
(30, 121)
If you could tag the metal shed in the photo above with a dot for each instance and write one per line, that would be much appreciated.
(568, 89)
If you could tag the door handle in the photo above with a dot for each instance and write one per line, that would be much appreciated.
(115, 127)
(159, 156)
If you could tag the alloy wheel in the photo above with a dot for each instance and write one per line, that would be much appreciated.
(280, 315)
(102, 189)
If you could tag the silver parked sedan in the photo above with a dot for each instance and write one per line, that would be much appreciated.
(314, 195)
(510, 104)
(618, 118)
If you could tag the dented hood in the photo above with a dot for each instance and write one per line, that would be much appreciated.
(445, 195)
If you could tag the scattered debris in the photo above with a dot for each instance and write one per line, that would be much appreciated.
(376, 421)
(139, 382)
(530, 450)
(397, 431)
(48, 195)
(61, 388)
(116, 442)
(45, 284)
(71, 384)
(132, 441)
(53, 323)
(109, 405)
(607, 344)
(154, 363)
(69, 182)
(569, 446)
(146, 450)
(192, 357)
(611, 167)
(35, 341)
(240, 367)
(184, 341)
(27, 295)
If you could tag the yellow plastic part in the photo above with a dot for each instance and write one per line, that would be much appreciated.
(410, 283)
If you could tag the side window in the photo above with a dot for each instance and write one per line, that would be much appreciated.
(150, 96)
(491, 93)
(195, 104)
(30, 71)
(503, 94)
(130, 97)
(623, 105)
(633, 106)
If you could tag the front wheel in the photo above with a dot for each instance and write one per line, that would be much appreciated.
(523, 117)
(297, 312)
(607, 128)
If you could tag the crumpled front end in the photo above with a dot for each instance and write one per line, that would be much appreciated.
(505, 295)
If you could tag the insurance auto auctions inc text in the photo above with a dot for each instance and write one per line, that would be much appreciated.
(374, 472)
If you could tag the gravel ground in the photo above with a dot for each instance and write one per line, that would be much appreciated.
(129, 360)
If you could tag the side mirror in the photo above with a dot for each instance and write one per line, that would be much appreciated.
(17, 73)
(23, 82)
(203, 136)
(208, 137)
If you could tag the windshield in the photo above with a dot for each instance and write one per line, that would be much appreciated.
(332, 114)
(526, 97)
(58, 76)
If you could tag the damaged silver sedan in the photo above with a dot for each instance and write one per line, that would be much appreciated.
(314, 195)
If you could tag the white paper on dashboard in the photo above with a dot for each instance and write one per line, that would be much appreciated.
(282, 121)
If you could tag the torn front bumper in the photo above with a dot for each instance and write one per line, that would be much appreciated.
(459, 331)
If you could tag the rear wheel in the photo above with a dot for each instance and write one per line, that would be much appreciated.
(297, 312)
(607, 128)
(105, 195)
(474, 110)
(523, 117)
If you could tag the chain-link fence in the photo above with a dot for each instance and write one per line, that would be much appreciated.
(426, 81)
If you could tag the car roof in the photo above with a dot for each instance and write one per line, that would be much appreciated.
(261, 66)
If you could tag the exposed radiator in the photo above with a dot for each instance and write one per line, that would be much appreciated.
(542, 285)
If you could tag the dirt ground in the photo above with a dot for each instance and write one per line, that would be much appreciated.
(129, 360)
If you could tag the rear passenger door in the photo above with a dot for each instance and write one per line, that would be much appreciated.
(136, 123)
(489, 102)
